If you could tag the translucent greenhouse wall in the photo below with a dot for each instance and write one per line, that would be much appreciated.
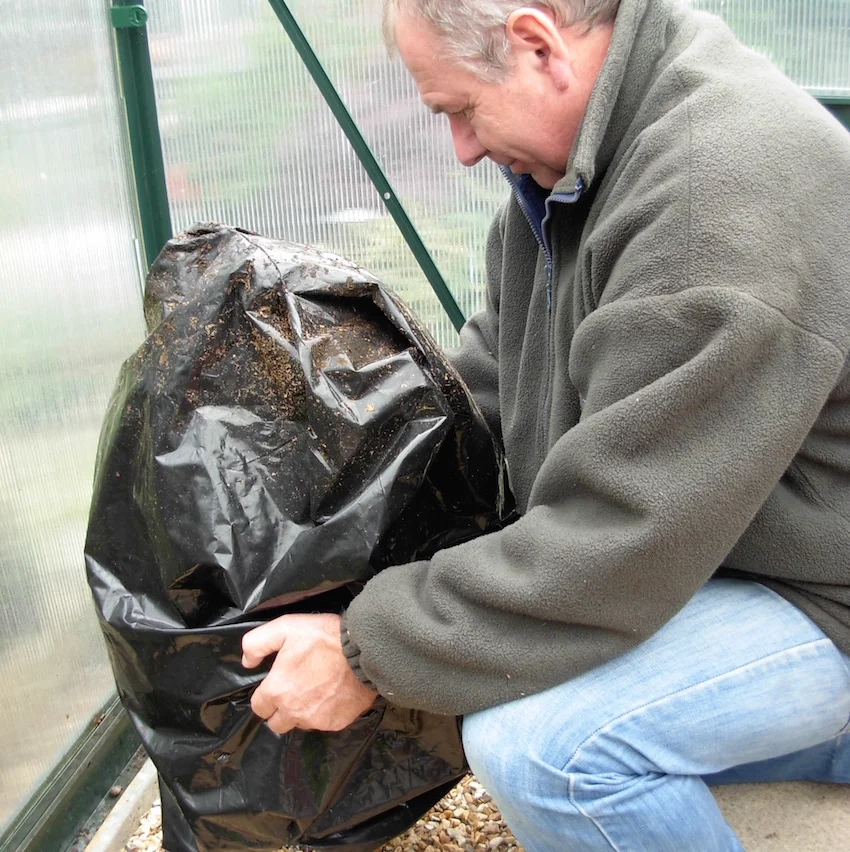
(248, 140)
(70, 311)
(808, 39)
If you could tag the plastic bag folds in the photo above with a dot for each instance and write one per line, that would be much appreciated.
(286, 431)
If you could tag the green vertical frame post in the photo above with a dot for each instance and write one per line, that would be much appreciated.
(367, 159)
(129, 18)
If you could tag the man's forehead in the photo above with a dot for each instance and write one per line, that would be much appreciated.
(442, 83)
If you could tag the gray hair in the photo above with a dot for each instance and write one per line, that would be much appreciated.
(473, 31)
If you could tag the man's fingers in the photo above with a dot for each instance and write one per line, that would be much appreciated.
(265, 704)
(266, 639)
(280, 723)
(259, 704)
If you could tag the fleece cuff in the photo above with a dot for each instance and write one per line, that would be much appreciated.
(352, 654)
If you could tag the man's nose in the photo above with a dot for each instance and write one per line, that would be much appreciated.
(467, 147)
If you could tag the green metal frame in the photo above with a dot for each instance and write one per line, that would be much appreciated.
(69, 796)
(134, 67)
(129, 18)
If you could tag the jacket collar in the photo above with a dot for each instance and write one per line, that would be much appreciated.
(638, 42)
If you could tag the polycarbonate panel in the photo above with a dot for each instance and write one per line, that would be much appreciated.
(808, 39)
(70, 311)
(248, 140)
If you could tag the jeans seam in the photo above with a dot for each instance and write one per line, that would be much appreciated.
(581, 810)
(684, 689)
(846, 660)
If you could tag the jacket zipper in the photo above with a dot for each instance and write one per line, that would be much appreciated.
(562, 198)
(535, 228)
(541, 236)
(540, 231)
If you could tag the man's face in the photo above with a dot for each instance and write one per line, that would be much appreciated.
(521, 122)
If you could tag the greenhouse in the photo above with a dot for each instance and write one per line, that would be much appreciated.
(125, 124)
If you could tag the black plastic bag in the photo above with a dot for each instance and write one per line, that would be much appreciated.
(286, 431)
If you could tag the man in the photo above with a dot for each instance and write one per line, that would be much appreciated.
(664, 353)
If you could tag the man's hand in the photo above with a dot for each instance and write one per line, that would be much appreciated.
(310, 685)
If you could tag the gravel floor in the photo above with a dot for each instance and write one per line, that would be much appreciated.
(465, 820)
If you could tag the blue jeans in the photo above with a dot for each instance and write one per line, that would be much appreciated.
(739, 686)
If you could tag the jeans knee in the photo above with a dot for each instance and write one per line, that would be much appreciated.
(504, 753)
(485, 748)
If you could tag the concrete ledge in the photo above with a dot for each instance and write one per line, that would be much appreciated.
(788, 817)
(123, 819)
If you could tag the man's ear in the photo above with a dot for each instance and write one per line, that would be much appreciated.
(533, 32)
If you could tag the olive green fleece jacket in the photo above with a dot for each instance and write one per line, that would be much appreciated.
(681, 409)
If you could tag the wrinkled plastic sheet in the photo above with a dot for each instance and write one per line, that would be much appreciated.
(286, 431)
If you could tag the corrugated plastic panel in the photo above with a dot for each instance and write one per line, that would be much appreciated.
(70, 311)
(248, 140)
(808, 39)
